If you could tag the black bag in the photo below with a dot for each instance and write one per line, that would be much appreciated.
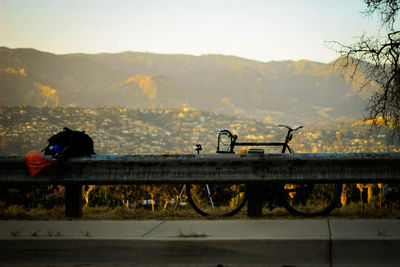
(69, 143)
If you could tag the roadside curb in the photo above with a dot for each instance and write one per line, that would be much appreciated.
(208, 243)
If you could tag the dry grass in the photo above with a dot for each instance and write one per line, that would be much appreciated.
(18, 212)
(352, 211)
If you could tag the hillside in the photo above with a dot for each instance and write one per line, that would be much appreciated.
(115, 130)
(285, 91)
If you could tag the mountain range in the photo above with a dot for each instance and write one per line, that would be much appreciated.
(285, 91)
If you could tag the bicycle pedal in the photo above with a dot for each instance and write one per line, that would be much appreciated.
(271, 206)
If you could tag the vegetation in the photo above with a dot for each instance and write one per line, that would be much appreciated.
(351, 210)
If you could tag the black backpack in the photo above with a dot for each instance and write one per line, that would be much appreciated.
(69, 143)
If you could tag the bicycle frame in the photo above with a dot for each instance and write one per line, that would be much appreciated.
(277, 193)
(233, 143)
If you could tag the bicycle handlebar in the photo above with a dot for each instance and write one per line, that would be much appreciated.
(290, 128)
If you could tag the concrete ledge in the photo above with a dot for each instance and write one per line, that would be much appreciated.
(202, 243)
(367, 242)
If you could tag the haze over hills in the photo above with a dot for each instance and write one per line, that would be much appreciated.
(285, 91)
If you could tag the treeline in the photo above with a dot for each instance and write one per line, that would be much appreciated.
(160, 197)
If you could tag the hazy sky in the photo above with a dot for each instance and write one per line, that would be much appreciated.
(263, 30)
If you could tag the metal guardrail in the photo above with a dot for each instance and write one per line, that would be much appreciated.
(209, 168)
(203, 168)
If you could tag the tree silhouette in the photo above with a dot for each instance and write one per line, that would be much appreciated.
(379, 58)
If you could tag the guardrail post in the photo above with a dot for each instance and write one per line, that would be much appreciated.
(254, 200)
(73, 200)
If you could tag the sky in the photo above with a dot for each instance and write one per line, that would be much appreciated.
(263, 30)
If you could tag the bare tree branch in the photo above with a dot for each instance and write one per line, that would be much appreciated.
(379, 59)
(387, 9)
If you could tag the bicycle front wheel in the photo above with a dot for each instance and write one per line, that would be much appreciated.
(216, 200)
(310, 200)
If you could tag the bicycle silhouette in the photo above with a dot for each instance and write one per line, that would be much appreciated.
(302, 199)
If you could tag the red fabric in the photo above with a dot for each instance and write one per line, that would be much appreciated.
(36, 163)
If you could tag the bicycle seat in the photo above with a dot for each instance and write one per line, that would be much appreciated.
(293, 128)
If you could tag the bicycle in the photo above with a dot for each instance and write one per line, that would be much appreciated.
(308, 200)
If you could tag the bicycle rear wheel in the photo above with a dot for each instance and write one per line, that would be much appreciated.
(216, 200)
(310, 200)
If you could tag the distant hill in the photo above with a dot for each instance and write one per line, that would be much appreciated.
(285, 91)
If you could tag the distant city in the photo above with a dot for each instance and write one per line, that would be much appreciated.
(116, 130)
